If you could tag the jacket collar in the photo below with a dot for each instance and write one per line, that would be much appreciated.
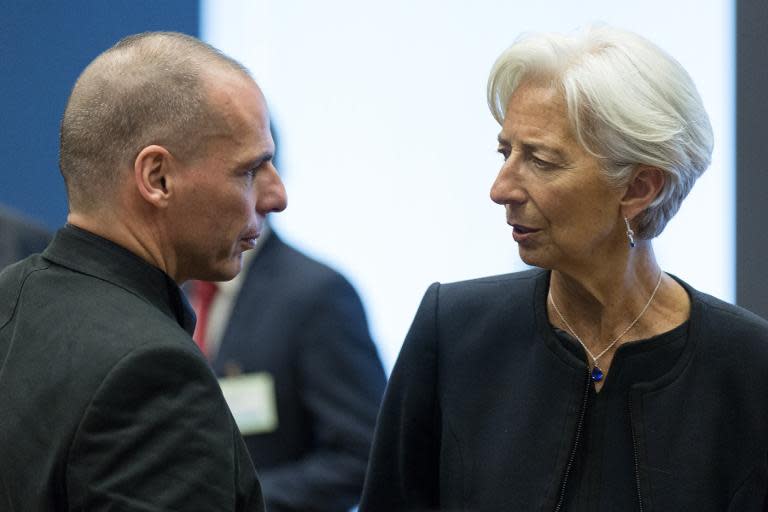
(87, 253)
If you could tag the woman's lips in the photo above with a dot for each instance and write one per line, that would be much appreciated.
(523, 229)
(522, 233)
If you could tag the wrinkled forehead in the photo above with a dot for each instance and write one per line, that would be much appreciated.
(540, 94)
(539, 108)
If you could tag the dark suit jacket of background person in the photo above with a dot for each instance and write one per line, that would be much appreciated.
(107, 404)
(482, 411)
(303, 323)
(19, 237)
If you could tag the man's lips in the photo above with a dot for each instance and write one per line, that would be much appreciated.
(250, 237)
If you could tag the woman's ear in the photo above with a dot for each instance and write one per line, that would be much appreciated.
(151, 171)
(643, 188)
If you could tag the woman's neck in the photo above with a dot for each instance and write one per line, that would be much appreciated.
(604, 286)
(600, 302)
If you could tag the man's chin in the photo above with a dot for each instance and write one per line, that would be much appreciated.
(227, 270)
(232, 270)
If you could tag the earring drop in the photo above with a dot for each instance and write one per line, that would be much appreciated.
(630, 233)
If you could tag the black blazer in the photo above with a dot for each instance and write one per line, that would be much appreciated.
(107, 404)
(19, 238)
(484, 409)
(304, 324)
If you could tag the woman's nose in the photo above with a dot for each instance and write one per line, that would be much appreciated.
(507, 187)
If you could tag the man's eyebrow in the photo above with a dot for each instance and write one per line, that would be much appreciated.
(260, 159)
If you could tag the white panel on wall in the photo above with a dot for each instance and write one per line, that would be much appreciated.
(388, 148)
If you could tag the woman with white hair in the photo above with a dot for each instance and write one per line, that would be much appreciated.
(595, 382)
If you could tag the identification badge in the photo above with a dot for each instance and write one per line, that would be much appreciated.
(251, 398)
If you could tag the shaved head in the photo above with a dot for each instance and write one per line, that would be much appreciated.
(150, 88)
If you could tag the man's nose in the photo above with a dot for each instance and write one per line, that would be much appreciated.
(270, 192)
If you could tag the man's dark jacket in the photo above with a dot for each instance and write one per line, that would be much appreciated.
(303, 323)
(105, 401)
(484, 408)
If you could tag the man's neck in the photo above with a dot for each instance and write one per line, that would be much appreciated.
(138, 241)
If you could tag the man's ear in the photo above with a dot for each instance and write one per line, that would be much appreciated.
(643, 188)
(151, 171)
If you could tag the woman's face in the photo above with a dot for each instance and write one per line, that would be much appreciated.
(564, 214)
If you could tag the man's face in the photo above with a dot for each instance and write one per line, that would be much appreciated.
(222, 197)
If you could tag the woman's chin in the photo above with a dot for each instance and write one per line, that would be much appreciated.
(532, 257)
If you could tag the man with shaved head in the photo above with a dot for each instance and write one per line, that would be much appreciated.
(107, 404)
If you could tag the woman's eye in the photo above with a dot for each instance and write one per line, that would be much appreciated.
(541, 164)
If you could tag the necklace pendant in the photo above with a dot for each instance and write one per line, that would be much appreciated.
(597, 374)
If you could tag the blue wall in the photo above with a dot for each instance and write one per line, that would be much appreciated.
(44, 45)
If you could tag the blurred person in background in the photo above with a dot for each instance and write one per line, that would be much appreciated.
(300, 371)
(19, 237)
(595, 382)
(107, 402)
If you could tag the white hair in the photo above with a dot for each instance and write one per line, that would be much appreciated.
(629, 103)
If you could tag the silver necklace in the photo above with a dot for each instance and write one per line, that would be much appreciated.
(597, 373)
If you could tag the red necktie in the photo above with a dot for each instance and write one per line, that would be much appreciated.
(204, 293)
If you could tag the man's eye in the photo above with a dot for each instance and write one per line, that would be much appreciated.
(503, 152)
